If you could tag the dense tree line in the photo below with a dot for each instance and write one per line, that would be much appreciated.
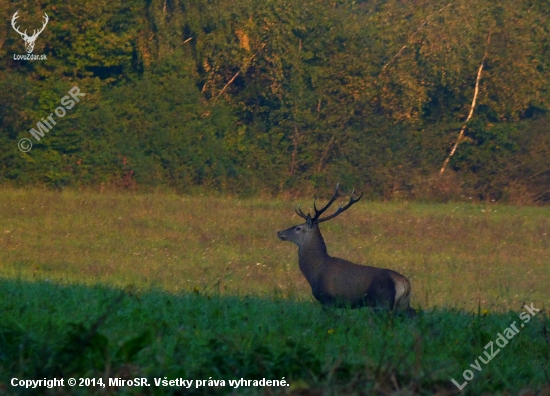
(246, 97)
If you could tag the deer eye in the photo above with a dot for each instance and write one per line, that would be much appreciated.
(298, 228)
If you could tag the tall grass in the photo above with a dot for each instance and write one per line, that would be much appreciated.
(157, 285)
(456, 255)
(53, 331)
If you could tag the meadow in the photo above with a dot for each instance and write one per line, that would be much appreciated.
(154, 285)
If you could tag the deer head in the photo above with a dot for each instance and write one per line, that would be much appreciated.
(29, 40)
(301, 234)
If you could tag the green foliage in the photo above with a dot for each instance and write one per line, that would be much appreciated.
(246, 97)
(81, 349)
(197, 337)
(228, 360)
(129, 349)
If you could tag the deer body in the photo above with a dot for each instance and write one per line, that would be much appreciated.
(339, 282)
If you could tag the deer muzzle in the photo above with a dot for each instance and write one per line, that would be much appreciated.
(281, 235)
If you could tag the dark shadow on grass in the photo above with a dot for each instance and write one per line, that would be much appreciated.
(49, 330)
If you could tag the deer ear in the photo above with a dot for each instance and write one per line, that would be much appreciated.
(309, 221)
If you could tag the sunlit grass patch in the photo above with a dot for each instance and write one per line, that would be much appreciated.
(455, 254)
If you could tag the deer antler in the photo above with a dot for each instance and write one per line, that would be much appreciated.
(43, 25)
(335, 196)
(319, 212)
(340, 208)
(29, 41)
(15, 16)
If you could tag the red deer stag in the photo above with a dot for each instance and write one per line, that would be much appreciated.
(335, 281)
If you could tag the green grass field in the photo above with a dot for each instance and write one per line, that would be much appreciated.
(158, 285)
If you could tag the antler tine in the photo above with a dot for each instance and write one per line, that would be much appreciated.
(47, 18)
(319, 212)
(37, 32)
(299, 212)
(13, 19)
(341, 209)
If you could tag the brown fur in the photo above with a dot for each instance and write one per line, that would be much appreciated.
(335, 281)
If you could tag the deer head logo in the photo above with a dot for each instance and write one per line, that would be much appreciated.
(29, 40)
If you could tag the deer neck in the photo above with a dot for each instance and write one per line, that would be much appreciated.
(312, 255)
